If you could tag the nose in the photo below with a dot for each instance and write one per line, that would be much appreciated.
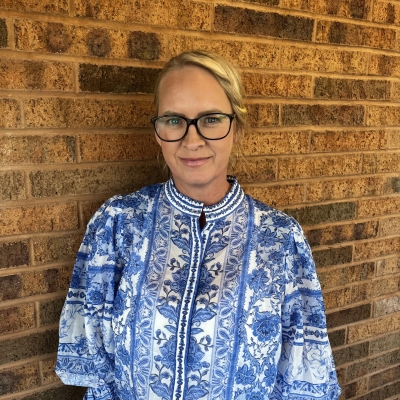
(192, 139)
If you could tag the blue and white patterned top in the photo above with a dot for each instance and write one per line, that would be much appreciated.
(160, 309)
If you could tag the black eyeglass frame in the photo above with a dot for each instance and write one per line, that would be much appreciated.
(193, 122)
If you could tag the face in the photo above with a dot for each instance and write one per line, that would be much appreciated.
(198, 166)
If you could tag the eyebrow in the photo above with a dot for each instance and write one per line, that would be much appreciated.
(169, 113)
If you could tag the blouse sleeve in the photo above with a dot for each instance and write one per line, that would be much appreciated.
(306, 368)
(86, 346)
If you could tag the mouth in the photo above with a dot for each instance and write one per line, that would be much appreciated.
(194, 162)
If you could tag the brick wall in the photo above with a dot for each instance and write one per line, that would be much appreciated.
(323, 90)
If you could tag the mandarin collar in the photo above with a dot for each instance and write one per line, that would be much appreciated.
(194, 208)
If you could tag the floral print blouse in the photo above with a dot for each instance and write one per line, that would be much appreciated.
(161, 309)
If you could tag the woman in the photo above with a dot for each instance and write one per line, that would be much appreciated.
(191, 289)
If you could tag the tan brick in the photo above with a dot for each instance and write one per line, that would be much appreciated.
(392, 185)
(388, 266)
(381, 162)
(387, 306)
(36, 149)
(385, 65)
(387, 13)
(343, 276)
(334, 234)
(48, 367)
(277, 85)
(376, 288)
(344, 188)
(89, 208)
(262, 115)
(48, 6)
(241, 54)
(390, 226)
(20, 378)
(394, 139)
(35, 75)
(3, 33)
(321, 60)
(10, 113)
(355, 35)
(253, 169)
(56, 248)
(308, 167)
(39, 218)
(114, 147)
(348, 141)
(337, 298)
(376, 248)
(384, 343)
(383, 115)
(264, 143)
(17, 318)
(381, 206)
(277, 196)
(174, 13)
(12, 185)
(371, 329)
(359, 9)
(104, 179)
(82, 113)
(14, 254)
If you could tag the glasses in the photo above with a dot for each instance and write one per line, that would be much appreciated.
(172, 128)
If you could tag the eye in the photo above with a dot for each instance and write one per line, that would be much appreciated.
(172, 121)
(213, 119)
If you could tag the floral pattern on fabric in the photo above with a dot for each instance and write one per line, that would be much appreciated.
(160, 309)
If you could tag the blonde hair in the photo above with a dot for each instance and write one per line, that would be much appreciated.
(221, 69)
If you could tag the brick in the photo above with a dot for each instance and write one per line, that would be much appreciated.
(375, 288)
(350, 354)
(376, 248)
(10, 113)
(310, 167)
(3, 33)
(277, 85)
(264, 143)
(355, 388)
(39, 218)
(345, 188)
(337, 298)
(249, 170)
(373, 364)
(337, 338)
(62, 392)
(36, 149)
(14, 254)
(98, 42)
(343, 276)
(341, 141)
(183, 14)
(47, 6)
(50, 311)
(116, 79)
(390, 226)
(117, 147)
(341, 375)
(374, 328)
(313, 215)
(385, 65)
(49, 375)
(383, 393)
(83, 113)
(388, 266)
(381, 162)
(333, 256)
(387, 13)
(355, 35)
(35, 75)
(105, 179)
(243, 21)
(321, 60)
(12, 185)
(347, 316)
(383, 115)
(241, 54)
(56, 248)
(10, 287)
(393, 140)
(89, 208)
(264, 115)
(17, 318)
(36, 344)
(316, 114)
(279, 195)
(18, 379)
(264, 2)
(395, 91)
(359, 9)
(382, 206)
(144, 46)
(385, 343)
(387, 306)
(351, 89)
(392, 185)
(384, 377)
(334, 234)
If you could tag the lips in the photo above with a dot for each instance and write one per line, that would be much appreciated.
(194, 162)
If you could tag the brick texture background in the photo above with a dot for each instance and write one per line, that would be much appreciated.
(322, 85)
